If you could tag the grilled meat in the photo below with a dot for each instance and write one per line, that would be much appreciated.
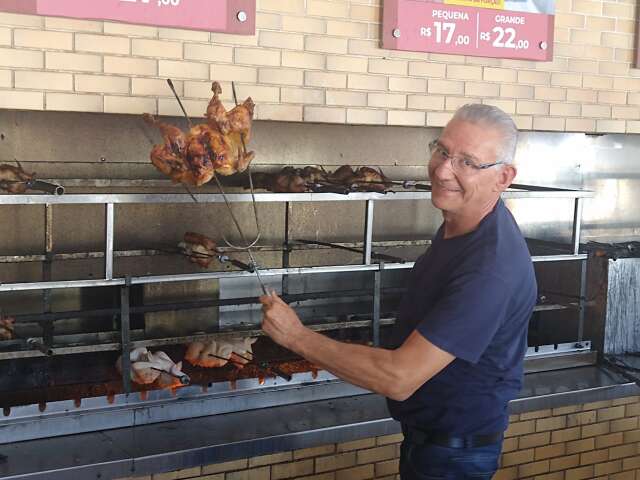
(7, 328)
(14, 179)
(296, 180)
(364, 179)
(199, 248)
(237, 120)
(217, 147)
(342, 175)
(313, 174)
(367, 179)
(158, 368)
(288, 180)
(213, 354)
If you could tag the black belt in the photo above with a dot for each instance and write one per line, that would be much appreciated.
(421, 437)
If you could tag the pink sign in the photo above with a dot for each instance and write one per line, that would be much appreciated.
(230, 16)
(423, 26)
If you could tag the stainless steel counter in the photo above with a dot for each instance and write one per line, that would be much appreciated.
(217, 438)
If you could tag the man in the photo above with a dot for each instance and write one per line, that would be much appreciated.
(462, 325)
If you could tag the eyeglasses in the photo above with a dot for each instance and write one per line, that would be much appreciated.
(462, 164)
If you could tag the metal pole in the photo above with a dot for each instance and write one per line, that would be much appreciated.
(47, 327)
(577, 219)
(108, 249)
(368, 232)
(583, 301)
(377, 294)
(285, 248)
(126, 335)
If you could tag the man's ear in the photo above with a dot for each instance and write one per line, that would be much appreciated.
(506, 175)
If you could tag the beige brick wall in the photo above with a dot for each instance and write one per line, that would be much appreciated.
(322, 62)
(592, 441)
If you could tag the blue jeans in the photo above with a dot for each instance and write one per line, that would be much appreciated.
(433, 462)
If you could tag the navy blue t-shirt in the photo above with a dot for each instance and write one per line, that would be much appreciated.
(472, 296)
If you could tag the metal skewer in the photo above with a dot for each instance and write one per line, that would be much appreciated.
(184, 379)
(276, 370)
(39, 185)
(227, 359)
(173, 89)
(243, 357)
(235, 221)
(38, 345)
(242, 237)
(265, 366)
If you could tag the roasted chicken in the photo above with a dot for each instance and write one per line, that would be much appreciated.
(14, 179)
(291, 180)
(212, 353)
(288, 180)
(296, 180)
(364, 179)
(7, 328)
(158, 368)
(199, 248)
(217, 147)
(342, 175)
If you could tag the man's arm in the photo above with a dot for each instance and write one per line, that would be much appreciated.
(393, 373)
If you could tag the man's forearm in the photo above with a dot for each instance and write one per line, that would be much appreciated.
(368, 367)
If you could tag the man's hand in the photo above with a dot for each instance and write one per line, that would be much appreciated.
(279, 321)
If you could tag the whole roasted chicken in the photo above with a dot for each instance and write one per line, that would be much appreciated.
(364, 179)
(291, 180)
(212, 353)
(213, 148)
(14, 179)
(298, 180)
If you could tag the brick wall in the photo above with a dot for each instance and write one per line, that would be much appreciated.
(592, 441)
(320, 61)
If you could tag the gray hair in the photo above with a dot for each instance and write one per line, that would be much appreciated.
(492, 117)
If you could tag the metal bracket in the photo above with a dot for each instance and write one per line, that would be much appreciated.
(558, 349)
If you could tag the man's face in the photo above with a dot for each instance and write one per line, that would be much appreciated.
(465, 192)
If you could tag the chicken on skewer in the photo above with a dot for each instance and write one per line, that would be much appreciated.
(199, 248)
(213, 354)
(296, 180)
(216, 147)
(14, 179)
(158, 368)
(364, 179)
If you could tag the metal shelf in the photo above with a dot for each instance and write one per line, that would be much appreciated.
(188, 277)
(120, 198)
(370, 198)
(138, 340)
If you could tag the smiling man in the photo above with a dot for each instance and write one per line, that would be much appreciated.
(462, 325)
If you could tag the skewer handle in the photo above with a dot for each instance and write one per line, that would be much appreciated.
(47, 187)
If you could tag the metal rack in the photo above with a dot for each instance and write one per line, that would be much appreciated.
(110, 200)
(125, 283)
(64, 418)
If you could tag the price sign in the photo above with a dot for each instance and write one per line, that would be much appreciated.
(230, 16)
(422, 26)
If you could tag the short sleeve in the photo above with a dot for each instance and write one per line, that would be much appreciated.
(464, 321)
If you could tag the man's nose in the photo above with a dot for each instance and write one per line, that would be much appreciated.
(444, 169)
